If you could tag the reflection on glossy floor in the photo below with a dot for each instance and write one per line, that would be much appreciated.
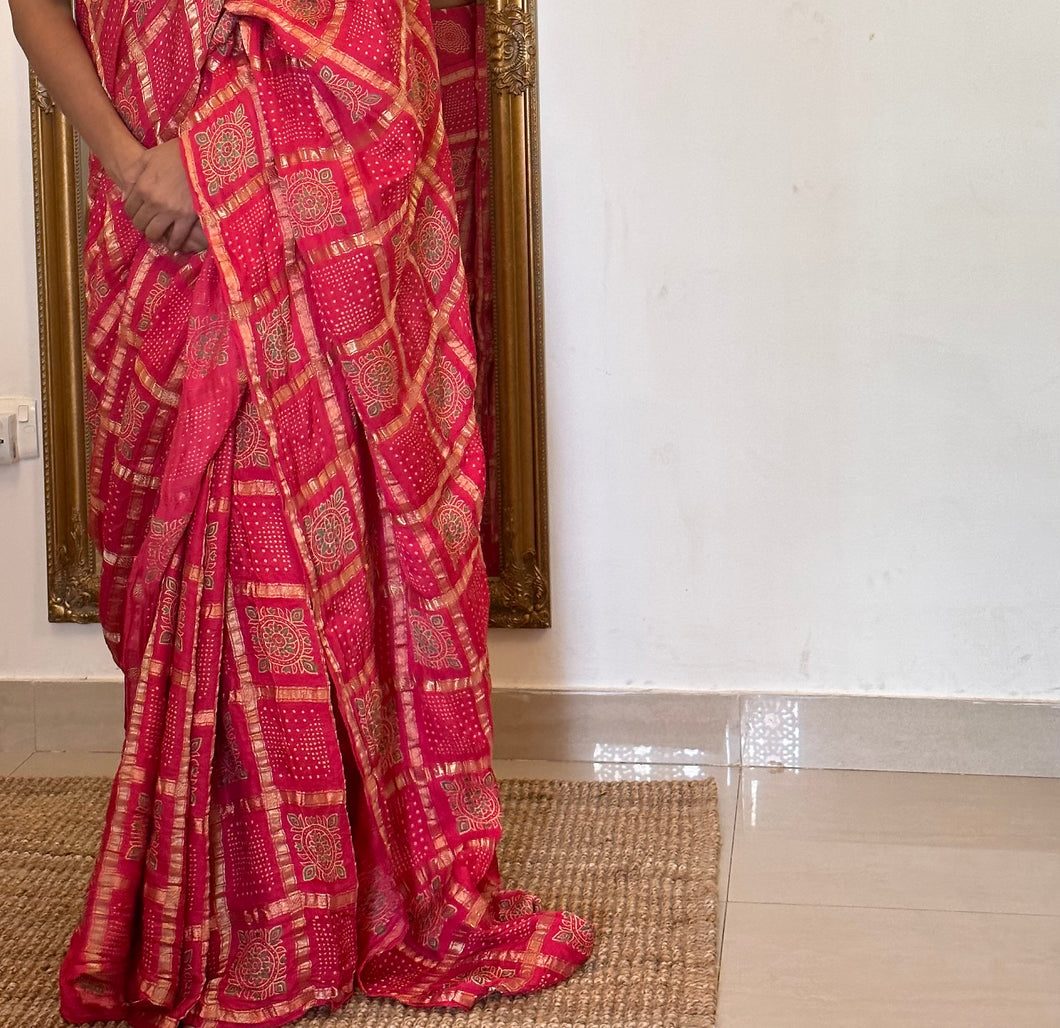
(856, 899)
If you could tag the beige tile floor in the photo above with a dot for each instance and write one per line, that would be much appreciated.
(856, 899)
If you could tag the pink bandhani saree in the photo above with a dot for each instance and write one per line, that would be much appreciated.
(460, 35)
(287, 485)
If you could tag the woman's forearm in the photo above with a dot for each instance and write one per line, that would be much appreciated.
(46, 31)
(48, 35)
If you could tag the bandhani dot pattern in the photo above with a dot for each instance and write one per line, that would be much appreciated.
(287, 483)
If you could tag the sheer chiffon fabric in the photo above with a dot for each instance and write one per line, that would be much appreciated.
(460, 35)
(287, 485)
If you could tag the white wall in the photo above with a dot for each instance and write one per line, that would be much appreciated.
(29, 646)
(803, 299)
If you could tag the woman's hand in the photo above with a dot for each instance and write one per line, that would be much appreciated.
(158, 199)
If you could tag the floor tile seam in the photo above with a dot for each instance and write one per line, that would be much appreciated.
(873, 906)
(77, 753)
(787, 845)
(18, 767)
(8, 754)
(636, 763)
(723, 913)
(778, 768)
(530, 760)
(738, 768)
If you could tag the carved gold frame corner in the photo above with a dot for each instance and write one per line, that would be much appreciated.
(520, 592)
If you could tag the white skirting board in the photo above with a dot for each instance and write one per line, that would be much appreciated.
(880, 733)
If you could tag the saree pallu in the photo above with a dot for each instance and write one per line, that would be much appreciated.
(287, 482)
(460, 35)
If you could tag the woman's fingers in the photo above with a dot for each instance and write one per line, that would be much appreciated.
(141, 213)
(134, 202)
(158, 228)
(162, 191)
(197, 241)
(177, 238)
(160, 204)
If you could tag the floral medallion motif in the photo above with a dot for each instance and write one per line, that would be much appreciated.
(282, 640)
(206, 350)
(187, 970)
(138, 829)
(313, 200)
(352, 95)
(209, 555)
(378, 721)
(312, 12)
(432, 643)
(436, 244)
(155, 295)
(455, 523)
(375, 377)
(194, 763)
(491, 976)
(517, 904)
(231, 766)
(260, 967)
(451, 36)
(448, 392)
(277, 339)
(329, 530)
(402, 241)
(251, 447)
(162, 534)
(462, 167)
(132, 419)
(382, 902)
(475, 802)
(126, 106)
(178, 641)
(140, 9)
(223, 21)
(422, 84)
(227, 149)
(167, 609)
(152, 849)
(576, 931)
(428, 914)
(318, 845)
(92, 413)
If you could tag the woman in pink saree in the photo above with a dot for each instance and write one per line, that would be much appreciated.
(287, 483)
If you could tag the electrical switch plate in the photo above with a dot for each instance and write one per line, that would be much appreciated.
(20, 442)
(8, 435)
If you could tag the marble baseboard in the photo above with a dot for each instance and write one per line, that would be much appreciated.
(65, 719)
(885, 733)
(617, 727)
(873, 733)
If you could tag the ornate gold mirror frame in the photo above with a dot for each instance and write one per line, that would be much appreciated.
(520, 591)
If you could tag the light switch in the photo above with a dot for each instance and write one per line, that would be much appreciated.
(8, 436)
(20, 433)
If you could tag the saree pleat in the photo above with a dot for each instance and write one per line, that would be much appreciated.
(463, 67)
(287, 489)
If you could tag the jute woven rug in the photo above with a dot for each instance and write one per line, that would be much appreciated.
(639, 859)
